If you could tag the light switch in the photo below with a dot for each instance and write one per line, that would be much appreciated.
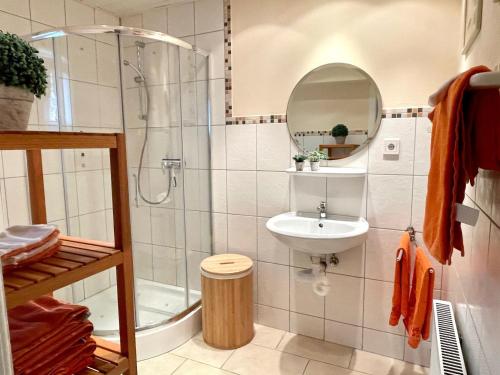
(391, 146)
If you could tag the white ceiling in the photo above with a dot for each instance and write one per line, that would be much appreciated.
(129, 7)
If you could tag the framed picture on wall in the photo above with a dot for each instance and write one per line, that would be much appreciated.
(473, 11)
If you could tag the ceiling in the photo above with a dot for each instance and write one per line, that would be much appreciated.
(129, 7)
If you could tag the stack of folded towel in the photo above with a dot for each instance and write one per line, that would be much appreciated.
(50, 337)
(24, 244)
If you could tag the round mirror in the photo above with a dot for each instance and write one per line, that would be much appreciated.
(336, 108)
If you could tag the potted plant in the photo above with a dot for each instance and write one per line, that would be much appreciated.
(22, 77)
(340, 132)
(299, 161)
(314, 158)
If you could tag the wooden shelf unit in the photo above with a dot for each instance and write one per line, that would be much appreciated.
(80, 258)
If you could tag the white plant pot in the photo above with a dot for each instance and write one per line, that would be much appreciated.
(15, 107)
(340, 140)
(299, 166)
(314, 165)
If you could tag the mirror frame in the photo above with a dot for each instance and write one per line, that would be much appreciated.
(378, 118)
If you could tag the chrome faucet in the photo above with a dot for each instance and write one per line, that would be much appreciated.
(322, 210)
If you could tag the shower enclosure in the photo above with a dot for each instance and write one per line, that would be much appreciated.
(154, 88)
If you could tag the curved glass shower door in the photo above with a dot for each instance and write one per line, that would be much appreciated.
(157, 93)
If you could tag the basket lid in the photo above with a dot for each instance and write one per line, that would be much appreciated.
(226, 264)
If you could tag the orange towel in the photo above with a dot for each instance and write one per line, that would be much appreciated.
(418, 321)
(401, 281)
(465, 136)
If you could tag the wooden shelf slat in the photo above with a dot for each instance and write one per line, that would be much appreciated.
(107, 360)
(42, 140)
(63, 268)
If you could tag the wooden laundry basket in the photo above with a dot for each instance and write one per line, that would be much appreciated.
(227, 300)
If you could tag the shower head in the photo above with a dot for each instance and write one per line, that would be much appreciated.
(140, 77)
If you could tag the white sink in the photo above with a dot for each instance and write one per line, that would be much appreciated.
(316, 236)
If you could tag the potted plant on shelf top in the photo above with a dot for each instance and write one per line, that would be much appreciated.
(314, 158)
(22, 77)
(299, 161)
(340, 132)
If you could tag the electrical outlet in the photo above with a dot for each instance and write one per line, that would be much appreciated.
(391, 146)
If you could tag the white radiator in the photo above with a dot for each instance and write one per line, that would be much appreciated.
(446, 352)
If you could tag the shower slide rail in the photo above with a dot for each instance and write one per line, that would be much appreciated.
(80, 258)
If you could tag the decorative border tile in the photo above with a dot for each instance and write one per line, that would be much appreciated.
(279, 119)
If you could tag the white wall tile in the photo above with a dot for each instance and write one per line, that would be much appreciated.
(378, 305)
(307, 325)
(181, 20)
(84, 104)
(389, 201)
(351, 262)
(49, 12)
(155, 19)
(214, 44)
(218, 147)
(219, 197)
(242, 192)
(209, 16)
(90, 185)
(164, 265)
(344, 334)
(273, 147)
(78, 13)
(269, 248)
(93, 226)
(163, 226)
(381, 247)
(346, 196)
(272, 193)
(402, 128)
(217, 99)
(96, 283)
(423, 132)
(383, 343)
(219, 233)
(273, 285)
(302, 297)
(141, 224)
(241, 147)
(107, 65)
(242, 235)
(16, 191)
(18, 7)
(143, 260)
(14, 163)
(14, 24)
(418, 205)
(344, 303)
(54, 197)
(307, 193)
(133, 21)
(272, 317)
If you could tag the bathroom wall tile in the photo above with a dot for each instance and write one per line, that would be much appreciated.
(241, 192)
(51, 160)
(347, 196)
(181, 20)
(143, 260)
(110, 107)
(155, 19)
(343, 334)
(269, 248)
(241, 147)
(49, 12)
(351, 262)
(273, 147)
(202, 93)
(273, 285)
(218, 147)
(107, 65)
(88, 159)
(217, 100)
(19, 8)
(378, 304)
(383, 343)
(90, 185)
(163, 226)
(190, 146)
(96, 283)
(14, 24)
(78, 13)
(16, 192)
(389, 201)
(420, 356)
(192, 188)
(219, 233)
(93, 226)
(242, 235)
(272, 317)
(132, 21)
(418, 205)
(219, 197)
(349, 290)
(402, 128)
(203, 147)
(209, 16)
(104, 18)
(14, 163)
(302, 297)
(307, 325)
(84, 104)
(141, 224)
(54, 197)
(423, 132)
(272, 193)
(193, 230)
(485, 189)
(307, 193)
(164, 265)
(381, 247)
(213, 43)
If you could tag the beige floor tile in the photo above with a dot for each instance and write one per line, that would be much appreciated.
(267, 336)
(318, 368)
(318, 350)
(164, 364)
(257, 360)
(199, 351)
(375, 364)
(195, 368)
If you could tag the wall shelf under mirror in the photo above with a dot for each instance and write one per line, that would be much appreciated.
(338, 172)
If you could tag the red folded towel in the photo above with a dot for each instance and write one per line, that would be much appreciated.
(401, 281)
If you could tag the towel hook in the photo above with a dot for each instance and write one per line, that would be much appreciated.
(411, 232)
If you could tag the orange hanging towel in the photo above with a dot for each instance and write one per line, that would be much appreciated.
(465, 137)
(401, 281)
(418, 321)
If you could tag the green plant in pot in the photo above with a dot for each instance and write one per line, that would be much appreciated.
(314, 158)
(22, 77)
(299, 161)
(340, 132)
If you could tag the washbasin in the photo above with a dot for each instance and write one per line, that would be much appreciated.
(310, 234)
